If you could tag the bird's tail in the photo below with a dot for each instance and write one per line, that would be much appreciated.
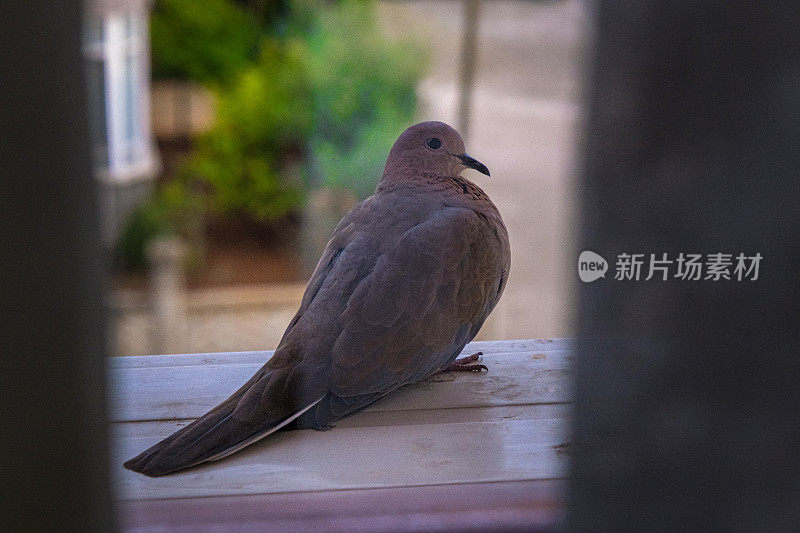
(213, 436)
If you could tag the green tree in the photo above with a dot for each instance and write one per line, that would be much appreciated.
(207, 41)
(363, 92)
(317, 82)
(262, 116)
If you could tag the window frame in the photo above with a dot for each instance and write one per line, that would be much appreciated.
(118, 40)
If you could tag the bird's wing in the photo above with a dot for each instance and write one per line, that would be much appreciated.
(425, 297)
(271, 398)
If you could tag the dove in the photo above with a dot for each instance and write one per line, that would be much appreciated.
(405, 282)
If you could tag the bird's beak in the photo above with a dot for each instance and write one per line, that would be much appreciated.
(471, 162)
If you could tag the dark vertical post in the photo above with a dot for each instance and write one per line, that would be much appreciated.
(687, 405)
(467, 67)
(53, 444)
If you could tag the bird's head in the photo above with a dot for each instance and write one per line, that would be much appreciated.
(431, 147)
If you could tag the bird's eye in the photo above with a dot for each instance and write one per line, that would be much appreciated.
(434, 143)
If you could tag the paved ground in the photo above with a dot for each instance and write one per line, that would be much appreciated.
(525, 123)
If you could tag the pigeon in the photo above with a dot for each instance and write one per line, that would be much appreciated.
(405, 282)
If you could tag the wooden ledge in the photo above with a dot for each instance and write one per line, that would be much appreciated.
(486, 447)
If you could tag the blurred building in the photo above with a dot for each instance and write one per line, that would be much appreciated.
(116, 47)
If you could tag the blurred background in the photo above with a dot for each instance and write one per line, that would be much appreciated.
(231, 136)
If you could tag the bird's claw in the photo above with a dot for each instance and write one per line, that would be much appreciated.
(462, 364)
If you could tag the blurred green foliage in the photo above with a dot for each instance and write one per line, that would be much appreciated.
(172, 210)
(363, 93)
(315, 84)
(207, 41)
(149, 222)
(261, 119)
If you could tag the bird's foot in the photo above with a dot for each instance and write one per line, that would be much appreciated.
(462, 364)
